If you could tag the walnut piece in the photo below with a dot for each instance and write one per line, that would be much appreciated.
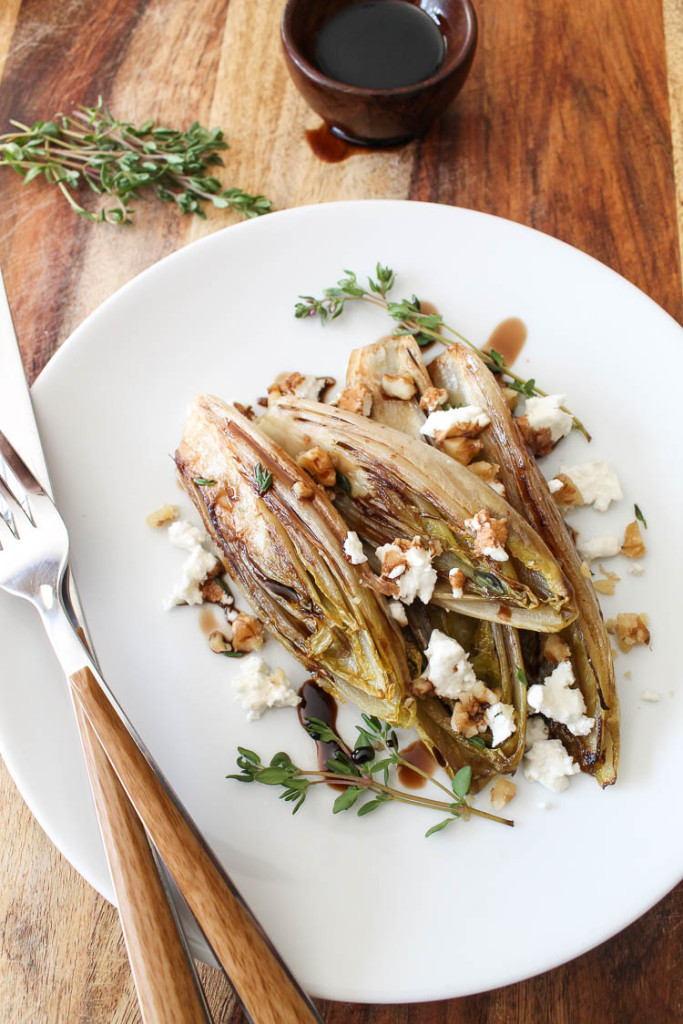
(356, 399)
(218, 642)
(302, 490)
(501, 793)
(456, 578)
(633, 546)
(213, 593)
(469, 712)
(300, 385)
(246, 410)
(539, 440)
(569, 493)
(247, 633)
(490, 535)
(421, 686)
(630, 629)
(163, 516)
(486, 471)
(318, 463)
(606, 585)
(398, 385)
(462, 449)
(432, 398)
(555, 649)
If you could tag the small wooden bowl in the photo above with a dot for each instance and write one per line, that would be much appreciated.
(378, 117)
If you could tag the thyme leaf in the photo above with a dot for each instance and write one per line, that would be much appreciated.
(264, 479)
(639, 515)
(91, 149)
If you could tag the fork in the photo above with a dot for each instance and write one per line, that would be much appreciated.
(34, 552)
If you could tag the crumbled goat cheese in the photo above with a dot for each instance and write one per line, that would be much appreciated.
(652, 696)
(353, 549)
(636, 570)
(449, 669)
(536, 729)
(257, 688)
(195, 568)
(451, 422)
(555, 485)
(500, 719)
(549, 763)
(598, 484)
(398, 612)
(599, 547)
(557, 698)
(418, 579)
(546, 412)
(456, 578)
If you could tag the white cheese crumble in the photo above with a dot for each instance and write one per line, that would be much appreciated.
(536, 729)
(257, 688)
(398, 612)
(652, 696)
(449, 669)
(418, 579)
(597, 483)
(500, 719)
(599, 547)
(353, 549)
(494, 550)
(549, 763)
(196, 568)
(454, 578)
(555, 485)
(557, 698)
(636, 570)
(546, 412)
(444, 422)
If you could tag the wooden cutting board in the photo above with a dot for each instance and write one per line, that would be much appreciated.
(565, 125)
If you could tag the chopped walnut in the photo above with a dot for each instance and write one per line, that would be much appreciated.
(462, 449)
(555, 649)
(486, 471)
(633, 546)
(490, 535)
(539, 440)
(469, 712)
(302, 490)
(606, 585)
(421, 686)
(432, 398)
(568, 493)
(163, 516)
(247, 633)
(510, 395)
(501, 793)
(456, 578)
(214, 593)
(398, 385)
(585, 570)
(318, 463)
(218, 642)
(630, 629)
(246, 410)
(300, 385)
(356, 399)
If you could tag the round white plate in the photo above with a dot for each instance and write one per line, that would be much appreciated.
(362, 909)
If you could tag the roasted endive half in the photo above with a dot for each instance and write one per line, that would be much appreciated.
(391, 486)
(393, 375)
(469, 382)
(281, 542)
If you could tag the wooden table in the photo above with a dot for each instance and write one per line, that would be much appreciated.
(570, 122)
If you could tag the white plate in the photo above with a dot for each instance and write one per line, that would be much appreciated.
(363, 909)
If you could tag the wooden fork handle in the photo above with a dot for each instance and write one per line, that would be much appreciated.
(165, 986)
(264, 985)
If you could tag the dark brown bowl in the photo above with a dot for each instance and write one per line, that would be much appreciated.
(378, 117)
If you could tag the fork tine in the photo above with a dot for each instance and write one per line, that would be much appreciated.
(7, 502)
(21, 471)
(12, 482)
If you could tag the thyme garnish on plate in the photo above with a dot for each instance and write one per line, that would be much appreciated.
(363, 772)
(424, 327)
(93, 148)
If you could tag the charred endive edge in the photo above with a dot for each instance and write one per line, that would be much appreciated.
(368, 367)
(286, 556)
(400, 487)
(468, 381)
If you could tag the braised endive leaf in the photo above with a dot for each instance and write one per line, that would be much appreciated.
(285, 553)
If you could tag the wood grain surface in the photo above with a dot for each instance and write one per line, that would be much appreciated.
(571, 122)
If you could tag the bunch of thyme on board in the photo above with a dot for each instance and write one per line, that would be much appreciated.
(360, 773)
(115, 158)
(425, 327)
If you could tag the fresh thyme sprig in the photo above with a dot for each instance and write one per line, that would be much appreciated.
(424, 327)
(375, 753)
(264, 479)
(93, 148)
